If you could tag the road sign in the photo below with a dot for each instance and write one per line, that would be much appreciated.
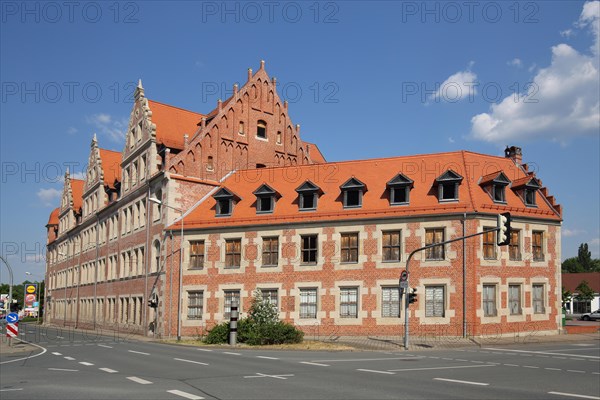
(12, 318)
(403, 276)
(31, 288)
(12, 330)
(403, 285)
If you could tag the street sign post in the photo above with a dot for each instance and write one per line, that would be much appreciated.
(12, 318)
(12, 330)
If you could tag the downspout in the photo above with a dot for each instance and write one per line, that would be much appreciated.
(464, 274)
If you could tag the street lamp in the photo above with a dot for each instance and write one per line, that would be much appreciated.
(159, 202)
(38, 297)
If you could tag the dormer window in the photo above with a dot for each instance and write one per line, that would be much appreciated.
(352, 192)
(308, 194)
(399, 188)
(495, 185)
(265, 199)
(261, 129)
(527, 188)
(224, 202)
(447, 185)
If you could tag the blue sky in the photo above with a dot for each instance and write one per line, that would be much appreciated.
(363, 79)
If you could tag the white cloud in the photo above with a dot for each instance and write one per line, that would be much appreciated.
(49, 196)
(451, 140)
(457, 87)
(515, 62)
(567, 33)
(566, 232)
(111, 127)
(72, 130)
(563, 100)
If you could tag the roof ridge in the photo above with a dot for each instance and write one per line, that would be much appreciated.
(466, 171)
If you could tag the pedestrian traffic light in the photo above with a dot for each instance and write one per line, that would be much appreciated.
(412, 297)
(503, 236)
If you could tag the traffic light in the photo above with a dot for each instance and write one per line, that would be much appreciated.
(412, 297)
(503, 236)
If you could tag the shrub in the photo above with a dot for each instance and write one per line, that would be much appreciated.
(218, 334)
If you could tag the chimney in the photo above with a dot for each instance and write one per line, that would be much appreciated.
(219, 105)
(514, 153)
(203, 123)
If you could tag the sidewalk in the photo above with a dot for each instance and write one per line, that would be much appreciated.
(17, 347)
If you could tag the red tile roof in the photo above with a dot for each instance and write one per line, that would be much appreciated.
(77, 190)
(53, 220)
(172, 123)
(315, 153)
(111, 166)
(571, 281)
(374, 173)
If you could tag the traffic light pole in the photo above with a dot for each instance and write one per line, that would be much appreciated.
(430, 246)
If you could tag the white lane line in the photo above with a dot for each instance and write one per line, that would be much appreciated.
(139, 380)
(576, 370)
(139, 352)
(530, 366)
(57, 353)
(60, 337)
(10, 390)
(268, 358)
(230, 353)
(190, 361)
(428, 368)
(105, 346)
(581, 396)
(546, 352)
(373, 359)
(596, 373)
(553, 369)
(478, 362)
(85, 363)
(375, 371)
(314, 363)
(69, 358)
(203, 349)
(25, 358)
(465, 382)
(446, 358)
(586, 349)
(185, 394)
(461, 359)
(110, 371)
(511, 365)
(63, 369)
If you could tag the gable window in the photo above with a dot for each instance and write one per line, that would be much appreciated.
(241, 129)
(489, 300)
(399, 188)
(278, 141)
(514, 247)
(197, 254)
(538, 299)
(233, 253)
(538, 246)
(434, 301)
(447, 185)
(390, 301)
(514, 299)
(489, 244)
(352, 191)
(434, 235)
(308, 194)
(391, 246)
(349, 302)
(527, 187)
(224, 202)
(195, 304)
(261, 129)
(270, 251)
(265, 199)
(349, 247)
(495, 185)
(308, 303)
(309, 249)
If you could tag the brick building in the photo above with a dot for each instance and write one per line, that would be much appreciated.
(325, 242)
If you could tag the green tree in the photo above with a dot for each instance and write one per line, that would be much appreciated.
(262, 311)
(582, 263)
(584, 292)
(584, 257)
(567, 296)
(571, 265)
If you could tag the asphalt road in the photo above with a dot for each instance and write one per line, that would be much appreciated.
(70, 365)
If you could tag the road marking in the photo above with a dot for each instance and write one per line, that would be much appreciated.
(478, 362)
(60, 337)
(375, 371)
(428, 368)
(63, 369)
(372, 359)
(69, 358)
(85, 363)
(233, 354)
(56, 353)
(446, 358)
(203, 349)
(511, 365)
(460, 359)
(529, 366)
(581, 396)
(576, 370)
(466, 382)
(185, 394)
(582, 344)
(268, 358)
(105, 346)
(139, 352)
(546, 352)
(596, 373)
(10, 390)
(25, 358)
(553, 369)
(110, 371)
(190, 361)
(139, 380)
(586, 349)
(314, 363)
(259, 375)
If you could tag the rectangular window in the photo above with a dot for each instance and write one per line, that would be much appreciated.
(197, 254)
(489, 300)
(514, 299)
(538, 246)
(231, 297)
(349, 302)
(308, 201)
(538, 299)
(390, 301)
(514, 248)
(489, 244)
(224, 207)
(352, 198)
(434, 301)
(448, 191)
(264, 204)
(271, 296)
(308, 303)
(349, 247)
(529, 196)
(399, 195)
(309, 249)
(233, 253)
(270, 251)
(499, 191)
(195, 304)
(434, 236)
(391, 246)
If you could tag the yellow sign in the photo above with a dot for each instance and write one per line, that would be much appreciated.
(30, 289)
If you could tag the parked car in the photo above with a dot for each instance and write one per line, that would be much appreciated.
(590, 316)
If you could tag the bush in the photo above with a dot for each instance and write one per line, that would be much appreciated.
(218, 334)
(256, 334)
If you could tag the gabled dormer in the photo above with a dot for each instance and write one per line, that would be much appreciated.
(447, 186)
(308, 196)
(266, 197)
(495, 186)
(71, 203)
(399, 189)
(225, 201)
(352, 192)
(526, 188)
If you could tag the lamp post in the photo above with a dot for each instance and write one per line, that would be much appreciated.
(38, 296)
(159, 202)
